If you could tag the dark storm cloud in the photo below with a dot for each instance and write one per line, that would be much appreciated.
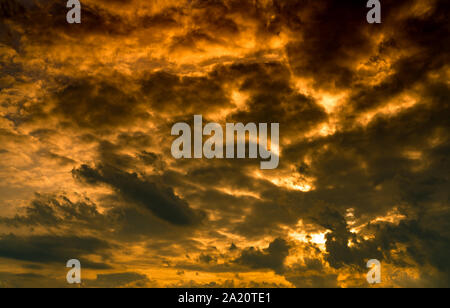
(109, 153)
(398, 162)
(425, 245)
(10, 8)
(133, 223)
(205, 258)
(268, 217)
(265, 212)
(218, 175)
(163, 20)
(116, 280)
(117, 152)
(311, 274)
(334, 34)
(126, 222)
(426, 35)
(50, 16)
(94, 20)
(331, 35)
(418, 240)
(30, 280)
(272, 99)
(61, 160)
(189, 41)
(270, 258)
(86, 103)
(53, 249)
(52, 211)
(339, 253)
(368, 169)
(353, 168)
(212, 16)
(160, 200)
(215, 23)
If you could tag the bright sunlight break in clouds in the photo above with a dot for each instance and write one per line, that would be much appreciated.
(86, 171)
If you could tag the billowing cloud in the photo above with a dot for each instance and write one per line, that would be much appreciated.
(86, 170)
(161, 201)
(52, 249)
(270, 258)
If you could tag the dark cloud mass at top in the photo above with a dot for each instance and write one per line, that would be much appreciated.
(86, 170)
(159, 200)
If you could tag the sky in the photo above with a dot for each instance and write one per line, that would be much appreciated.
(86, 170)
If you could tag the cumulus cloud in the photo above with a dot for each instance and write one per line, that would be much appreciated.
(85, 117)
(270, 258)
(161, 201)
(53, 249)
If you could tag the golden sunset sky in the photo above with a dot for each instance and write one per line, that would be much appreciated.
(86, 170)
